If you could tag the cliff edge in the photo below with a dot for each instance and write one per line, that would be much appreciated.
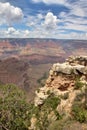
(64, 95)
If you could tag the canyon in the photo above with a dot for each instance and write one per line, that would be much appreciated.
(24, 62)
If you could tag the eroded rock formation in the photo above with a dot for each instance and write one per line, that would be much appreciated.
(65, 90)
(61, 81)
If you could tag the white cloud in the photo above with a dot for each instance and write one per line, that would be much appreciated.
(50, 21)
(14, 33)
(78, 11)
(71, 24)
(9, 14)
(11, 30)
(58, 35)
(47, 22)
(73, 35)
(40, 16)
(75, 19)
(41, 33)
(76, 27)
(79, 8)
(50, 1)
(34, 21)
(49, 26)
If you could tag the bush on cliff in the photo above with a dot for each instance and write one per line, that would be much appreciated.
(78, 84)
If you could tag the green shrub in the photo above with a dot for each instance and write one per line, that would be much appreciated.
(57, 115)
(79, 113)
(48, 106)
(13, 108)
(78, 84)
(65, 96)
(52, 101)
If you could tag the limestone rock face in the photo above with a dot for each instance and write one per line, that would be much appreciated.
(82, 60)
(41, 95)
(67, 68)
(62, 80)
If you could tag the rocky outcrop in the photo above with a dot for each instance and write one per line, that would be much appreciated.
(63, 96)
(82, 60)
(62, 81)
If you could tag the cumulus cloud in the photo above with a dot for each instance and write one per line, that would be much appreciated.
(11, 30)
(49, 25)
(73, 20)
(14, 33)
(10, 14)
(69, 23)
(50, 21)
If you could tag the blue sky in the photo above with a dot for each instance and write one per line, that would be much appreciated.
(61, 19)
